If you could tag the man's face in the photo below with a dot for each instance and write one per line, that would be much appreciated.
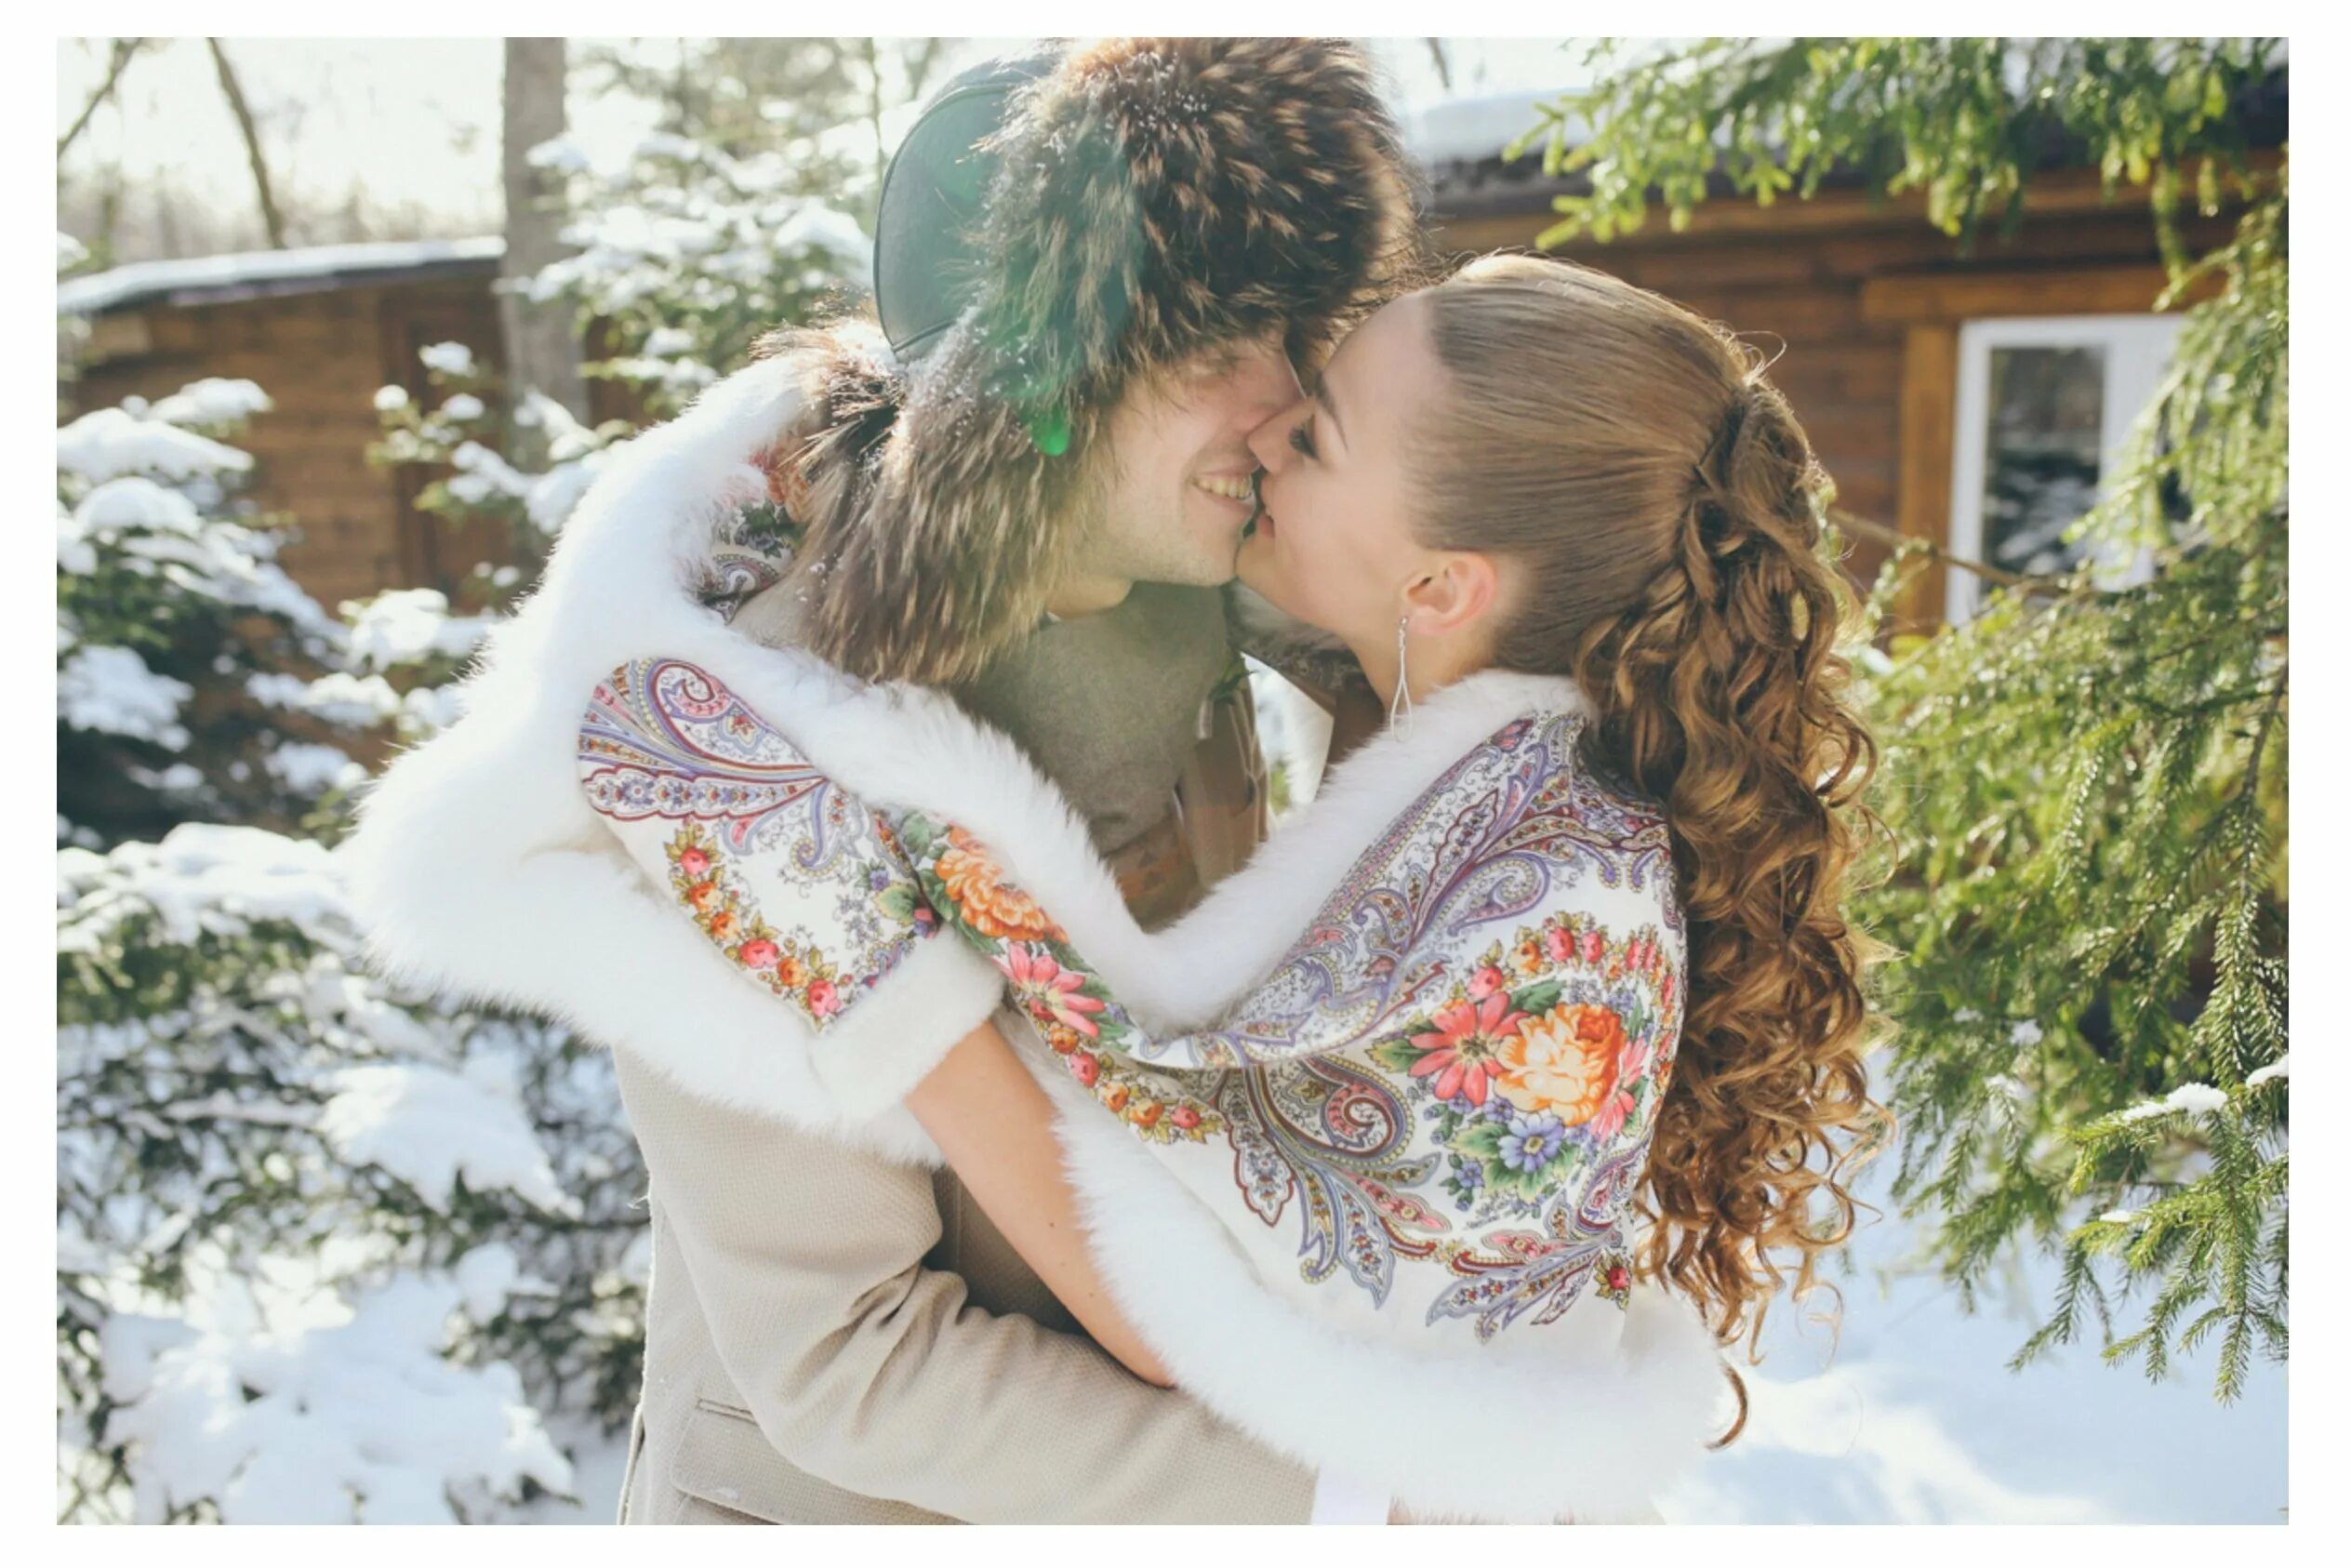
(1180, 492)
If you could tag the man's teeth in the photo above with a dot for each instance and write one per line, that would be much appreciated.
(1240, 489)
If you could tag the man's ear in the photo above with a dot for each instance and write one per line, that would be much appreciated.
(1457, 588)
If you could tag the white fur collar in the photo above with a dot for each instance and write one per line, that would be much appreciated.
(479, 868)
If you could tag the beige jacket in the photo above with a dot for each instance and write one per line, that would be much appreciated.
(896, 1364)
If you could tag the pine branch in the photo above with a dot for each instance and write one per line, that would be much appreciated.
(2052, 582)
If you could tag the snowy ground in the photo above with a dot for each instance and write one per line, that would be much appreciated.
(1916, 1420)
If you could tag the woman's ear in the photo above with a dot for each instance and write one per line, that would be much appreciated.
(1456, 589)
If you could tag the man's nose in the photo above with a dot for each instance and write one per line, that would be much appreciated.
(1270, 440)
(1267, 388)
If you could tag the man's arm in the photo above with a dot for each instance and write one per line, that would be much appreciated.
(871, 1371)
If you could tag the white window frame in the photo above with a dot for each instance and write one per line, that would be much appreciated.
(2138, 350)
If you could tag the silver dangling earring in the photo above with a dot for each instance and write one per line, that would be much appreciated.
(1401, 701)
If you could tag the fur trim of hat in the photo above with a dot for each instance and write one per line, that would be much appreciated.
(1158, 200)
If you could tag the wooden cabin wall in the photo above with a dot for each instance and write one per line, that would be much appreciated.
(1806, 280)
(321, 357)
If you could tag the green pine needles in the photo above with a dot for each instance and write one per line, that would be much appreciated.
(2084, 783)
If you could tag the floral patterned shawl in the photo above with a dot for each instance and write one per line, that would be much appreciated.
(1419, 1123)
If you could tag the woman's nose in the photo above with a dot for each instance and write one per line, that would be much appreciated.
(1270, 440)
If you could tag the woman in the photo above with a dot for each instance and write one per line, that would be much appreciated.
(1366, 1132)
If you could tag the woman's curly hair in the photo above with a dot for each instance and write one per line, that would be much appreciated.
(1665, 507)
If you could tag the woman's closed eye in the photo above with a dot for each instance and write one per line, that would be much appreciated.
(1302, 438)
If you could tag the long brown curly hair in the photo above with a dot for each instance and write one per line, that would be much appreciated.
(1666, 510)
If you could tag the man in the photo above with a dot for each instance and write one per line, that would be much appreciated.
(1096, 270)
(897, 1362)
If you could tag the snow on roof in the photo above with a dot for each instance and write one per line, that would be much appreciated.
(245, 274)
(1469, 130)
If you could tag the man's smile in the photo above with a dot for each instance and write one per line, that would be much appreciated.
(1230, 486)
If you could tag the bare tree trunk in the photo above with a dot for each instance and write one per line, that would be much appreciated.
(542, 346)
(271, 221)
(124, 50)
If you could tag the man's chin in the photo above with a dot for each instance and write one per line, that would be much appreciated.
(1212, 564)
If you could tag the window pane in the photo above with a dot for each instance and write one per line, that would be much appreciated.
(2040, 469)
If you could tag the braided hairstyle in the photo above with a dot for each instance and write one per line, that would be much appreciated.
(1665, 510)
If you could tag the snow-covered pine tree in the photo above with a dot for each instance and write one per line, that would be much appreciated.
(2085, 783)
(327, 1250)
(688, 252)
(180, 643)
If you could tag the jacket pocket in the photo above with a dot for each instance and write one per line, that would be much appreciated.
(727, 1472)
(725, 1460)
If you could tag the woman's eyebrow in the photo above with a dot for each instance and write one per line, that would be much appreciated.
(1322, 398)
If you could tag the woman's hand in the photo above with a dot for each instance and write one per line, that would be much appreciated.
(995, 1125)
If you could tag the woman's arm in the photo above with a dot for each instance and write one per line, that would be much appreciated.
(995, 1125)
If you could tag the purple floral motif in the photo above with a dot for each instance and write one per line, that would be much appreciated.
(1533, 1141)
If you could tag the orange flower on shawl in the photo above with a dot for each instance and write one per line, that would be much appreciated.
(975, 883)
(1565, 1061)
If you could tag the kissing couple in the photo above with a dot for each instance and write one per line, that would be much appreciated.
(869, 772)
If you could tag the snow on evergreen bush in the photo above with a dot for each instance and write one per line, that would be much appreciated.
(328, 1249)
(369, 1225)
(688, 252)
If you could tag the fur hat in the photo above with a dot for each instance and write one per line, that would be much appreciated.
(1156, 200)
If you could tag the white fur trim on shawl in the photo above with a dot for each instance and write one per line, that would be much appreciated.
(479, 866)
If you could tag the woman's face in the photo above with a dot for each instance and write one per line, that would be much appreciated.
(1334, 543)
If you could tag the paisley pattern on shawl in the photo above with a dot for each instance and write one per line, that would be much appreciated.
(1451, 1077)
(773, 862)
(751, 549)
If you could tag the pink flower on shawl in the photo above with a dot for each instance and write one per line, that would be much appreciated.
(1609, 1120)
(1461, 1048)
(1047, 990)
